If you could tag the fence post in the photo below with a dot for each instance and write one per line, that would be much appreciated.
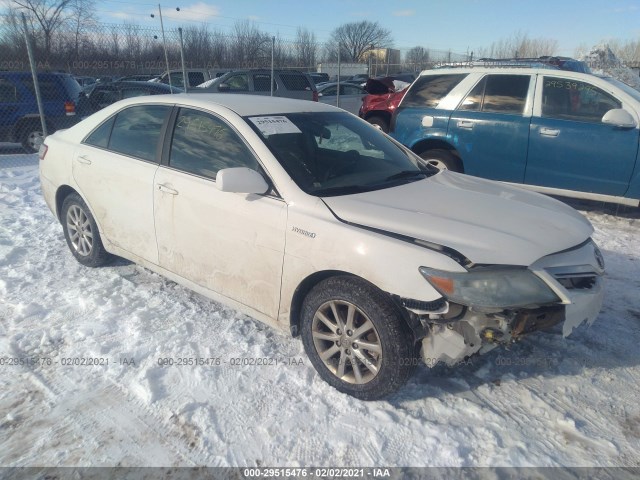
(339, 72)
(166, 55)
(34, 73)
(184, 69)
(273, 47)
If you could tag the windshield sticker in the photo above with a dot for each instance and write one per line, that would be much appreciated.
(274, 125)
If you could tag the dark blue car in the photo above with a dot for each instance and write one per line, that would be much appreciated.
(19, 117)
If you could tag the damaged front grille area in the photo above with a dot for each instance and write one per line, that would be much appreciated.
(575, 278)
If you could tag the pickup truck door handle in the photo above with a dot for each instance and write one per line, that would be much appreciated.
(84, 160)
(549, 132)
(166, 189)
(465, 124)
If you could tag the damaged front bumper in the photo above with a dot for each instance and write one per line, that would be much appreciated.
(464, 331)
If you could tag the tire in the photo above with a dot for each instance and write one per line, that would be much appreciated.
(379, 122)
(390, 351)
(442, 159)
(81, 232)
(31, 137)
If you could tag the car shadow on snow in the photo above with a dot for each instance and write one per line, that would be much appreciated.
(610, 343)
(602, 208)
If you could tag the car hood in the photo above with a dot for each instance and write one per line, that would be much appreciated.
(488, 222)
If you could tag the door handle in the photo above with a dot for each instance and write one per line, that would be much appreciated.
(84, 160)
(549, 132)
(466, 125)
(166, 189)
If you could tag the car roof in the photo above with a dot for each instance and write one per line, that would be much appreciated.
(507, 70)
(243, 105)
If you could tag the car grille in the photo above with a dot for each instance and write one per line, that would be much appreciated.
(575, 278)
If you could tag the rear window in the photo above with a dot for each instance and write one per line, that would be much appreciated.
(428, 90)
(293, 81)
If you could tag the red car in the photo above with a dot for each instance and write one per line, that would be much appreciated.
(384, 97)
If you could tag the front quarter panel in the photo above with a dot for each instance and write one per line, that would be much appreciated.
(316, 241)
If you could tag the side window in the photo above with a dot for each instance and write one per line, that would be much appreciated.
(103, 97)
(473, 101)
(177, 80)
(295, 81)
(49, 88)
(203, 144)
(261, 83)
(100, 136)
(567, 99)
(137, 129)
(351, 90)
(8, 93)
(195, 78)
(428, 90)
(238, 83)
(330, 91)
(505, 93)
(134, 92)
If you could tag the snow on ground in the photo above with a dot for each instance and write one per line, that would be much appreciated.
(547, 401)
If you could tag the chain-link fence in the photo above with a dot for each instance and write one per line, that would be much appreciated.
(94, 53)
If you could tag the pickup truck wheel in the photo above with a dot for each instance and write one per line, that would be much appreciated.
(379, 122)
(32, 137)
(356, 338)
(442, 159)
(81, 232)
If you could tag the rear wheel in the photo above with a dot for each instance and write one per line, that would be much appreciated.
(81, 232)
(356, 338)
(442, 159)
(379, 122)
(32, 137)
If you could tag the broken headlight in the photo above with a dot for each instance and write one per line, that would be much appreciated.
(491, 287)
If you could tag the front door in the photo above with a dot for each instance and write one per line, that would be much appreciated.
(569, 146)
(230, 243)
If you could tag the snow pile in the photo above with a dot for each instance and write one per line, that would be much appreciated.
(603, 61)
(547, 401)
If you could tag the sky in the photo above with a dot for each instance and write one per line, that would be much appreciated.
(459, 25)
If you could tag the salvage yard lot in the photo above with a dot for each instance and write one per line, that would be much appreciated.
(546, 401)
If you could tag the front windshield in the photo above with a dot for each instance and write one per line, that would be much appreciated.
(335, 153)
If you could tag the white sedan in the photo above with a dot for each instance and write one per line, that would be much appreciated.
(311, 220)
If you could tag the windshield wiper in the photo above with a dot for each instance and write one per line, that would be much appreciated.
(406, 174)
(343, 190)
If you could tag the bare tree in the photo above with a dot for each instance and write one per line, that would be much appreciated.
(417, 58)
(519, 45)
(81, 19)
(197, 41)
(49, 14)
(628, 52)
(250, 46)
(306, 48)
(357, 38)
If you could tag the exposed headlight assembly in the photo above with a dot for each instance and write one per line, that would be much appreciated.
(491, 287)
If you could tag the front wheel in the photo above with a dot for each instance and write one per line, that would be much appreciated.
(442, 160)
(356, 338)
(81, 232)
(379, 123)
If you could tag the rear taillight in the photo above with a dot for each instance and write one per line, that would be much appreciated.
(69, 108)
(315, 96)
(43, 151)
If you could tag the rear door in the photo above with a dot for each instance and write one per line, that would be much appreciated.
(490, 127)
(114, 169)
(570, 148)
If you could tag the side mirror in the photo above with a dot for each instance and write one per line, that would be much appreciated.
(619, 117)
(320, 94)
(224, 87)
(241, 180)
